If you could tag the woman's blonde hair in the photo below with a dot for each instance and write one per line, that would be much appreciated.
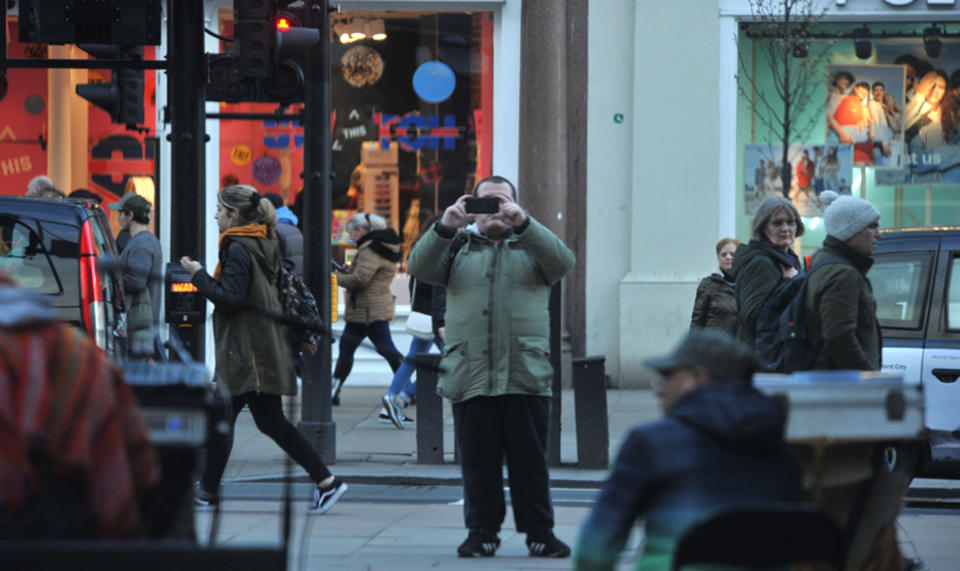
(369, 222)
(250, 206)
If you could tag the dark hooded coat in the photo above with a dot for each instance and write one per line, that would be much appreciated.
(721, 446)
(757, 269)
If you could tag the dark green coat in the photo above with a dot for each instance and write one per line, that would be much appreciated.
(716, 305)
(757, 269)
(252, 350)
(841, 311)
(497, 317)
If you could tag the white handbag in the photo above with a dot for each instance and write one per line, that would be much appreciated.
(420, 325)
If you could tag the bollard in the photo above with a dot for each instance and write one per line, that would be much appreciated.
(590, 408)
(429, 411)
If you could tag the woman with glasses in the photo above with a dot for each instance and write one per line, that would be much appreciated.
(370, 302)
(759, 265)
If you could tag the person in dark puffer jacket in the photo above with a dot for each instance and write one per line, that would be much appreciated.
(716, 303)
(719, 446)
(759, 265)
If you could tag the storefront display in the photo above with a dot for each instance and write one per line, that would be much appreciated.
(409, 94)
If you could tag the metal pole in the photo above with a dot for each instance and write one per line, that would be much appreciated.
(316, 415)
(186, 99)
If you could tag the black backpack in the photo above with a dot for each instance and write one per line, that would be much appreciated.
(297, 300)
(782, 342)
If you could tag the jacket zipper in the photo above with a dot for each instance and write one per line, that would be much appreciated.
(256, 373)
(493, 281)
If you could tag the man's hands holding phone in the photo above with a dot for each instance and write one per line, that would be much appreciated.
(463, 211)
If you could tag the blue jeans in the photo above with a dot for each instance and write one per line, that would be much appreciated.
(401, 378)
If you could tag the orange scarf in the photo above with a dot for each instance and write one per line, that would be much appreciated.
(252, 230)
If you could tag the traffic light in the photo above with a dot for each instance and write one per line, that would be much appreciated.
(254, 33)
(122, 96)
(269, 55)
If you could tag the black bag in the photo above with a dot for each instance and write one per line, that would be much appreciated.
(297, 300)
(782, 342)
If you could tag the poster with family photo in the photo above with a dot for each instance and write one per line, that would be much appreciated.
(931, 113)
(864, 104)
(813, 167)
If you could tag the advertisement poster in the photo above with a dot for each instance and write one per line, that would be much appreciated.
(864, 104)
(931, 114)
(814, 168)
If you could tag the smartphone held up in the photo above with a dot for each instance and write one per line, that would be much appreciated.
(482, 205)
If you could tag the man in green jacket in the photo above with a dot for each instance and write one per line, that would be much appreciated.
(498, 271)
(841, 312)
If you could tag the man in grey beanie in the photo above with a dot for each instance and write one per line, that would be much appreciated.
(840, 309)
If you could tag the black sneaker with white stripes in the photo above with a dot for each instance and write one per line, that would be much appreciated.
(480, 543)
(545, 544)
(324, 498)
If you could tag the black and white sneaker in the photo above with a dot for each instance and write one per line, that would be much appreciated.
(384, 418)
(546, 544)
(394, 410)
(335, 386)
(480, 543)
(324, 498)
(203, 498)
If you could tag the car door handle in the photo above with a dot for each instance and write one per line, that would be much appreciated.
(946, 375)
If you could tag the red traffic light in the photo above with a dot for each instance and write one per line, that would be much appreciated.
(283, 24)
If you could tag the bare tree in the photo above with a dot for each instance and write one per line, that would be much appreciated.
(796, 67)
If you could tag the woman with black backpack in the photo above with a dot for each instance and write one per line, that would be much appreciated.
(254, 365)
(759, 265)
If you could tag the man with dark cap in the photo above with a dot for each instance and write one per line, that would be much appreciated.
(719, 446)
(840, 309)
(142, 258)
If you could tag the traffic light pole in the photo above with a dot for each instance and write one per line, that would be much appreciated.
(316, 418)
(186, 105)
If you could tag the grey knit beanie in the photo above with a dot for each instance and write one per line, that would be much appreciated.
(846, 216)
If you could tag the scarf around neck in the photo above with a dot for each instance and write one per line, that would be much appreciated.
(251, 230)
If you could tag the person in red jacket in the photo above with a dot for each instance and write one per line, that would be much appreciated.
(805, 168)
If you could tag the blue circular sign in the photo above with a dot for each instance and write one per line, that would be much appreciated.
(434, 81)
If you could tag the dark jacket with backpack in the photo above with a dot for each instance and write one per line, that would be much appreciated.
(757, 269)
(721, 446)
(841, 311)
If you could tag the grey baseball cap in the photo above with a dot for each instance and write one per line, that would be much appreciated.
(724, 358)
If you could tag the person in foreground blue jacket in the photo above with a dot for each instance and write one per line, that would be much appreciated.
(719, 446)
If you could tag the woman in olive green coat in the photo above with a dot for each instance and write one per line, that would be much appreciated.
(254, 365)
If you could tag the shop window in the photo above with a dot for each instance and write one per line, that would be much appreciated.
(411, 110)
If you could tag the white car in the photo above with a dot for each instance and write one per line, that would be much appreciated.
(916, 283)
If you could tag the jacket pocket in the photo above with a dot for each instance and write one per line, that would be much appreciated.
(530, 369)
(456, 371)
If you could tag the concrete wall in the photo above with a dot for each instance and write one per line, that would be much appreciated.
(652, 179)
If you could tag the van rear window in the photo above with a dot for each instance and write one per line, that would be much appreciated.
(953, 295)
(900, 283)
(24, 257)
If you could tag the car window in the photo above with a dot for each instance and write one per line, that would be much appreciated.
(24, 257)
(953, 294)
(900, 288)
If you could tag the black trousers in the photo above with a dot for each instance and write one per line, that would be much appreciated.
(488, 429)
(354, 333)
(267, 412)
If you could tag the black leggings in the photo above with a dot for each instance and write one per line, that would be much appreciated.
(268, 414)
(353, 334)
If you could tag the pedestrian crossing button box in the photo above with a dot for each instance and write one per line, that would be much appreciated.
(183, 302)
